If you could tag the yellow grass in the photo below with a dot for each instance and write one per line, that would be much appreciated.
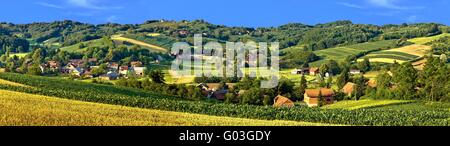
(383, 60)
(418, 50)
(140, 43)
(153, 34)
(6, 82)
(27, 109)
(366, 103)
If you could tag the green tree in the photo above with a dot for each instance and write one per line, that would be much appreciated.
(157, 76)
(364, 65)
(405, 77)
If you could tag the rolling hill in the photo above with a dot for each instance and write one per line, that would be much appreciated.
(400, 55)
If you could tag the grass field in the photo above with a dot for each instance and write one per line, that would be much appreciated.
(140, 43)
(36, 110)
(76, 47)
(340, 53)
(424, 40)
(419, 105)
(400, 55)
(366, 103)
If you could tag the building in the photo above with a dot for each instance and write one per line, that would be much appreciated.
(76, 72)
(348, 88)
(313, 71)
(372, 83)
(136, 64)
(300, 71)
(123, 70)
(53, 65)
(281, 101)
(139, 71)
(311, 96)
(355, 71)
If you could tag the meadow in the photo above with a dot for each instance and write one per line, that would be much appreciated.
(76, 90)
(400, 55)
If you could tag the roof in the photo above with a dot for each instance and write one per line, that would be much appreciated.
(281, 101)
(372, 83)
(313, 69)
(348, 88)
(314, 93)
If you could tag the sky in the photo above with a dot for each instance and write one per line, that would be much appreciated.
(248, 13)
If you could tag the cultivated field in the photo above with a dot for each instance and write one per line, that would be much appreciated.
(140, 43)
(340, 53)
(400, 55)
(36, 110)
(366, 103)
(424, 40)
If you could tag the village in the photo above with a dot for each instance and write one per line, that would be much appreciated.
(90, 68)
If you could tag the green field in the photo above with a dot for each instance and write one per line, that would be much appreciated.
(424, 40)
(400, 55)
(340, 53)
(37, 110)
(76, 47)
(366, 103)
(107, 94)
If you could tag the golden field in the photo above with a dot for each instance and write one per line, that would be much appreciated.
(140, 43)
(19, 109)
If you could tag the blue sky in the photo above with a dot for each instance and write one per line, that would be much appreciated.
(251, 13)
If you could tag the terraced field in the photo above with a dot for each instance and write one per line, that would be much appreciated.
(400, 55)
(340, 53)
(36, 110)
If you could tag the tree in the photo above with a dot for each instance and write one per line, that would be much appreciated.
(364, 65)
(343, 78)
(405, 77)
(34, 70)
(110, 55)
(359, 87)
(300, 90)
(329, 82)
(157, 76)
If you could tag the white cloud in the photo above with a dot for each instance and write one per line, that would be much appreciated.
(391, 4)
(112, 18)
(50, 5)
(412, 18)
(351, 5)
(90, 4)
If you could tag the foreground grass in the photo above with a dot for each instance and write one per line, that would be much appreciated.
(366, 103)
(18, 108)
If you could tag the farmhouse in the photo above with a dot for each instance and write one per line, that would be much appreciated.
(300, 71)
(281, 101)
(313, 71)
(348, 88)
(136, 64)
(311, 96)
(355, 71)
(139, 71)
(372, 83)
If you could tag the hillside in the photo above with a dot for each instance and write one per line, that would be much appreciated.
(400, 55)
(21, 109)
(140, 43)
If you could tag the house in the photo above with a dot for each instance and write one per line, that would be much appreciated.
(281, 101)
(348, 88)
(220, 94)
(372, 83)
(53, 65)
(313, 71)
(92, 60)
(76, 72)
(113, 66)
(311, 96)
(109, 76)
(138, 70)
(123, 70)
(136, 64)
(183, 32)
(300, 71)
(355, 71)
